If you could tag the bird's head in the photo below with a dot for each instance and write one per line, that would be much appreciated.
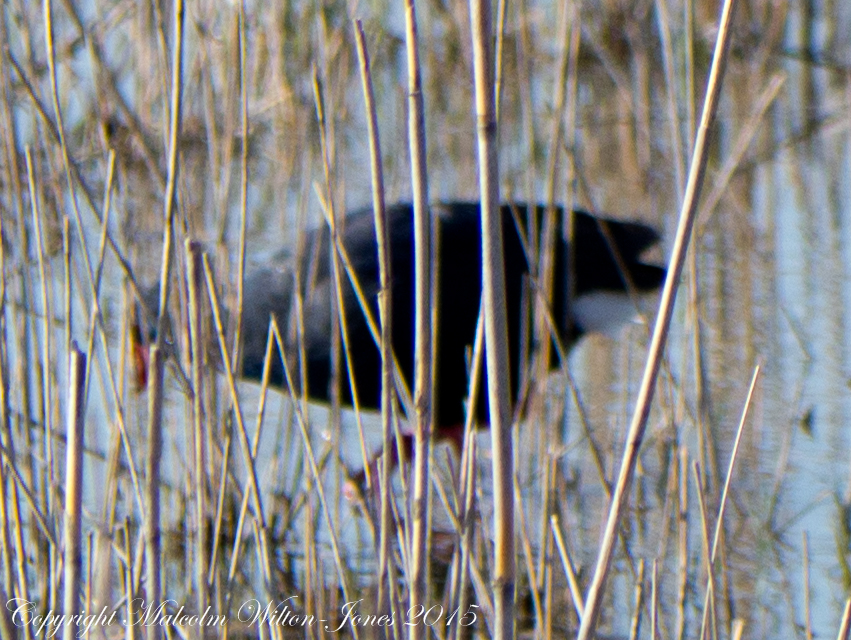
(610, 274)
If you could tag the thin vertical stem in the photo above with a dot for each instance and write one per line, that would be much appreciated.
(171, 185)
(66, 282)
(496, 323)
(74, 434)
(422, 322)
(195, 280)
(654, 601)
(635, 623)
(385, 306)
(570, 573)
(808, 618)
(46, 413)
(153, 549)
(129, 581)
(243, 191)
(845, 624)
(683, 543)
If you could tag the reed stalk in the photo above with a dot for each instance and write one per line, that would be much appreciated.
(198, 347)
(845, 623)
(48, 482)
(663, 321)
(719, 522)
(75, 437)
(170, 199)
(153, 534)
(243, 186)
(386, 572)
(496, 323)
(423, 330)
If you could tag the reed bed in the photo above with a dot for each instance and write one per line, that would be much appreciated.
(181, 142)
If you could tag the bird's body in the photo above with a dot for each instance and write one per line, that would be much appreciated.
(606, 260)
(457, 296)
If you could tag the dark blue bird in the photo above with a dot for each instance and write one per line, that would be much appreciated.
(606, 266)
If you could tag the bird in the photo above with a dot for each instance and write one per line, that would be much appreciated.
(591, 290)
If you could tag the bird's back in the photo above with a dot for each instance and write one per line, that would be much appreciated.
(603, 250)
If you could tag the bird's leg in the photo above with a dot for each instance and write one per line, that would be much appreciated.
(403, 445)
(141, 355)
(455, 435)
